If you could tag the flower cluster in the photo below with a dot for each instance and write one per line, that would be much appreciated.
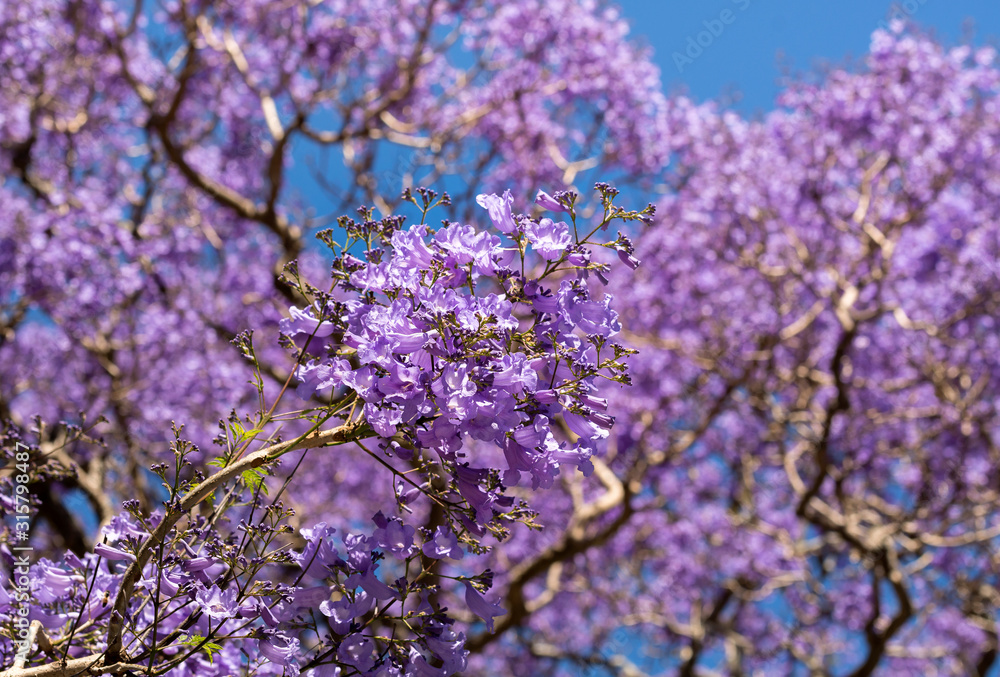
(433, 339)
(213, 609)
(447, 334)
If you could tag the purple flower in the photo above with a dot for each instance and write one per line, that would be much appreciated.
(356, 650)
(363, 382)
(394, 536)
(578, 456)
(465, 245)
(449, 646)
(628, 259)
(522, 458)
(169, 582)
(546, 201)
(279, 648)
(342, 612)
(373, 276)
(54, 583)
(218, 604)
(499, 310)
(383, 419)
(542, 300)
(317, 376)
(410, 248)
(468, 480)
(444, 544)
(516, 374)
(359, 551)
(108, 552)
(197, 564)
(319, 556)
(455, 392)
(499, 209)
(533, 435)
(305, 322)
(404, 382)
(307, 598)
(547, 396)
(121, 526)
(419, 667)
(371, 584)
(478, 605)
(592, 426)
(594, 402)
(593, 317)
(328, 670)
(548, 238)
(205, 569)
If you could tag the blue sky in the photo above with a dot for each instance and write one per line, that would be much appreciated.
(750, 54)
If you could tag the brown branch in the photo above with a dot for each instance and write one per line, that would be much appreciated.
(337, 435)
(878, 641)
(698, 642)
(88, 665)
(572, 542)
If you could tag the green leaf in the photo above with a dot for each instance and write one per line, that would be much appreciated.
(248, 434)
(254, 478)
(208, 647)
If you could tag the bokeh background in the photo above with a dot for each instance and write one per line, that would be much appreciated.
(743, 65)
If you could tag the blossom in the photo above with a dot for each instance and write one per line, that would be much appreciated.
(590, 426)
(123, 526)
(319, 556)
(304, 321)
(411, 248)
(628, 259)
(373, 586)
(449, 647)
(464, 245)
(109, 552)
(279, 648)
(54, 582)
(394, 536)
(546, 201)
(316, 376)
(204, 569)
(342, 612)
(593, 317)
(499, 209)
(218, 604)
(356, 650)
(479, 606)
(443, 544)
(548, 237)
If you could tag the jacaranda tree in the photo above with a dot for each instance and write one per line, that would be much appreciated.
(803, 479)
(245, 436)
